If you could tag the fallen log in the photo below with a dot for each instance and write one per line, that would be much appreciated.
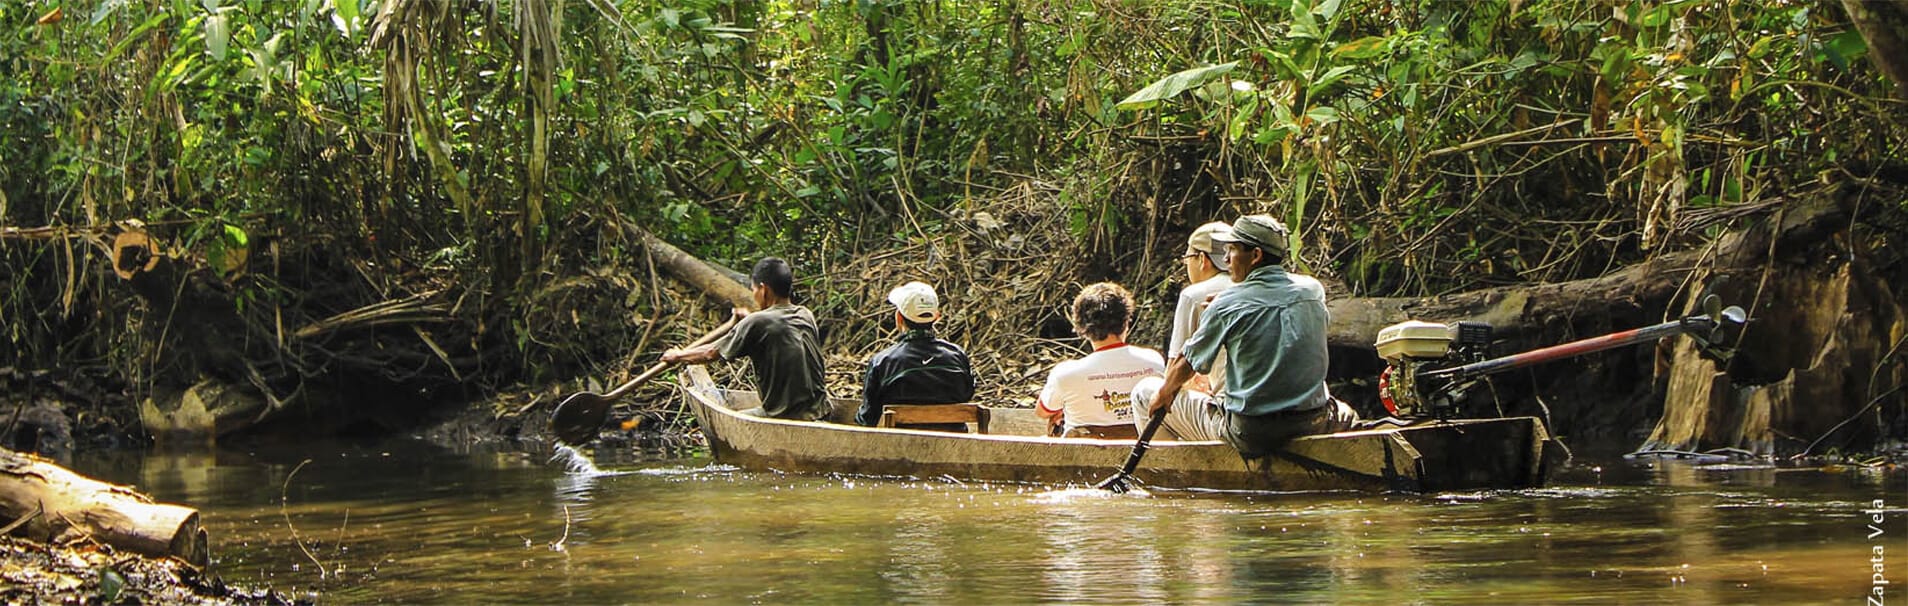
(1810, 368)
(1526, 317)
(42, 501)
(711, 280)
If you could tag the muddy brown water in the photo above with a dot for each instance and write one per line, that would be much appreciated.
(414, 523)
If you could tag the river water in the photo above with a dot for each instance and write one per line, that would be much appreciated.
(410, 522)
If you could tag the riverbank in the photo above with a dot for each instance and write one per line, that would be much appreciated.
(39, 573)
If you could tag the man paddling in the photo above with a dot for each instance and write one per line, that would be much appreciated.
(1269, 328)
(781, 341)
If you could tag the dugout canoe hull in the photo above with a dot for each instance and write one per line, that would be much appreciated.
(1467, 454)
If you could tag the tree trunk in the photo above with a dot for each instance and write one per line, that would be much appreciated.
(1808, 371)
(1527, 317)
(1884, 25)
(1809, 364)
(49, 503)
(706, 277)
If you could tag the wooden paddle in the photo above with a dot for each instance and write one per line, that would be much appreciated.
(580, 417)
(1120, 482)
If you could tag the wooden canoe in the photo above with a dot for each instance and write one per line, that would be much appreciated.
(1430, 456)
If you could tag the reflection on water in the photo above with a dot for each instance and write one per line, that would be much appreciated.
(408, 522)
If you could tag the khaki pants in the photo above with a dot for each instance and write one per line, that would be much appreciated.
(1197, 416)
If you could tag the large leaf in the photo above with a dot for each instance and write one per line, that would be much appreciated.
(217, 35)
(1170, 86)
(1327, 9)
(345, 16)
(1841, 48)
(1362, 48)
(1322, 115)
(1331, 77)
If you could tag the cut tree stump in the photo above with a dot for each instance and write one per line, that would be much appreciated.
(42, 501)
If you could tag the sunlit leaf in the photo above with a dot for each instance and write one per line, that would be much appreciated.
(1362, 48)
(1328, 8)
(347, 12)
(1301, 195)
(1761, 47)
(106, 9)
(1657, 16)
(1304, 30)
(1330, 78)
(1171, 86)
(217, 36)
(1236, 128)
(1302, 17)
(235, 235)
(1322, 115)
(228, 252)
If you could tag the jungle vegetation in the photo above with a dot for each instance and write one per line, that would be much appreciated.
(438, 199)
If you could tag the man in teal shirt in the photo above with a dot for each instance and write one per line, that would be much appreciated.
(1270, 327)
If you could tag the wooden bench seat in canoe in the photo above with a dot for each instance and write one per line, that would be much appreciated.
(934, 416)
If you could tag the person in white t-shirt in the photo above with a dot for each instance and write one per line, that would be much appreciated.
(1093, 395)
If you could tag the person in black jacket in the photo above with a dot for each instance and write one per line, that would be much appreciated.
(921, 368)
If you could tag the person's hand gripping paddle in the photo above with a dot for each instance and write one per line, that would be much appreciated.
(1122, 481)
(580, 417)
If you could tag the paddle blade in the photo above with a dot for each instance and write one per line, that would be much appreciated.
(578, 419)
(1118, 484)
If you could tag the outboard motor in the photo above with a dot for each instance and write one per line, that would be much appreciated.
(1433, 366)
(1413, 347)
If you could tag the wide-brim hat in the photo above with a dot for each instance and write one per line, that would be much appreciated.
(1258, 231)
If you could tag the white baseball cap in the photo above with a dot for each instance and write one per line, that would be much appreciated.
(916, 301)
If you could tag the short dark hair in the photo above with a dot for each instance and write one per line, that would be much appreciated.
(1273, 257)
(1102, 310)
(775, 274)
(913, 325)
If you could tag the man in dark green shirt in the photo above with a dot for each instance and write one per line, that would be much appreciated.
(782, 341)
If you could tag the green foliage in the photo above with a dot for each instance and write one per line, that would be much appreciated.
(1413, 146)
(1170, 86)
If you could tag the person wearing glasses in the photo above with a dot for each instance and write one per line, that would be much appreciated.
(1269, 327)
(1206, 276)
